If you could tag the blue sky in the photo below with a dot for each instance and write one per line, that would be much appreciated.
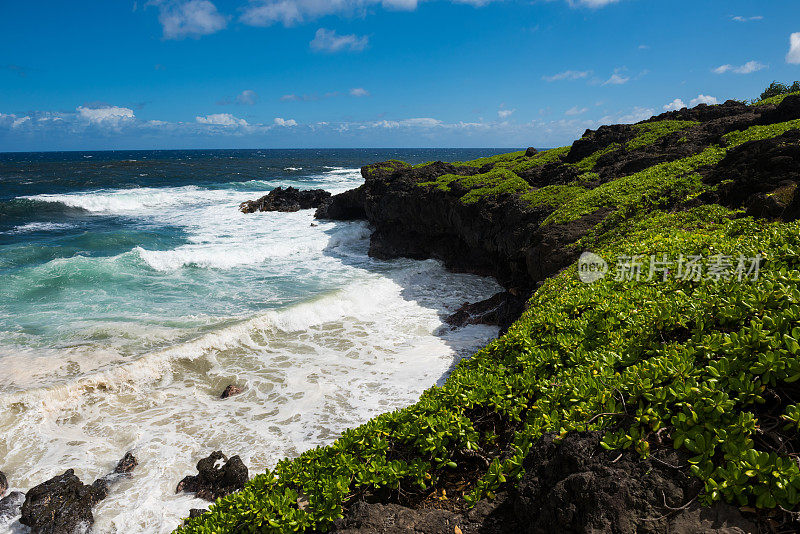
(372, 73)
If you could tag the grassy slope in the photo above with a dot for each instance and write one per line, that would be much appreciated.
(650, 363)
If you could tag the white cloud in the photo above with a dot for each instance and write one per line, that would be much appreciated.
(358, 92)
(568, 75)
(105, 114)
(505, 113)
(617, 79)
(591, 3)
(747, 19)
(703, 99)
(247, 97)
(794, 49)
(675, 105)
(221, 119)
(576, 111)
(192, 18)
(284, 122)
(328, 41)
(291, 12)
(747, 68)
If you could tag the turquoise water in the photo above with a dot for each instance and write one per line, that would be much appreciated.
(133, 291)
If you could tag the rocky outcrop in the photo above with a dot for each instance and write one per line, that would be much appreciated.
(61, 505)
(3, 484)
(286, 200)
(502, 236)
(230, 391)
(217, 477)
(570, 485)
(489, 237)
(500, 310)
(574, 485)
(760, 176)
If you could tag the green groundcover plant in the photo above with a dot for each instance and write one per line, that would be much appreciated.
(708, 366)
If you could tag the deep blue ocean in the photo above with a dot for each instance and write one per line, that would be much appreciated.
(133, 291)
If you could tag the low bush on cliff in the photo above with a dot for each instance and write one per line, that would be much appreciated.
(690, 341)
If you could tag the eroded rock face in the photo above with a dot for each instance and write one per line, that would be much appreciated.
(62, 505)
(574, 485)
(286, 200)
(217, 477)
(761, 176)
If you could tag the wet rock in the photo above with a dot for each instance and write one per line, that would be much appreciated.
(11, 504)
(530, 152)
(500, 310)
(214, 480)
(286, 200)
(61, 505)
(230, 391)
(345, 206)
(3, 483)
(126, 465)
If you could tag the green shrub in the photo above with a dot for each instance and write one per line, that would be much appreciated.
(779, 89)
(496, 181)
(648, 133)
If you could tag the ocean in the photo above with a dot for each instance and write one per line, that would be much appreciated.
(133, 291)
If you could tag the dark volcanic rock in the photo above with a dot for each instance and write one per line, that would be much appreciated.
(345, 206)
(704, 112)
(213, 480)
(594, 140)
(530, 152)
(289, 199)
(576, 486)
(487, 517)
(230, 391)
(501, 310)
(126, 465)
(787, 110)
(3, 483)
(61, 505)
(761, 176)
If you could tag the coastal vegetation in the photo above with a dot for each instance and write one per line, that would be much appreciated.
(705, 365)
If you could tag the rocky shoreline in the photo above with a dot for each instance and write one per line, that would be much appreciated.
(569, 481)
